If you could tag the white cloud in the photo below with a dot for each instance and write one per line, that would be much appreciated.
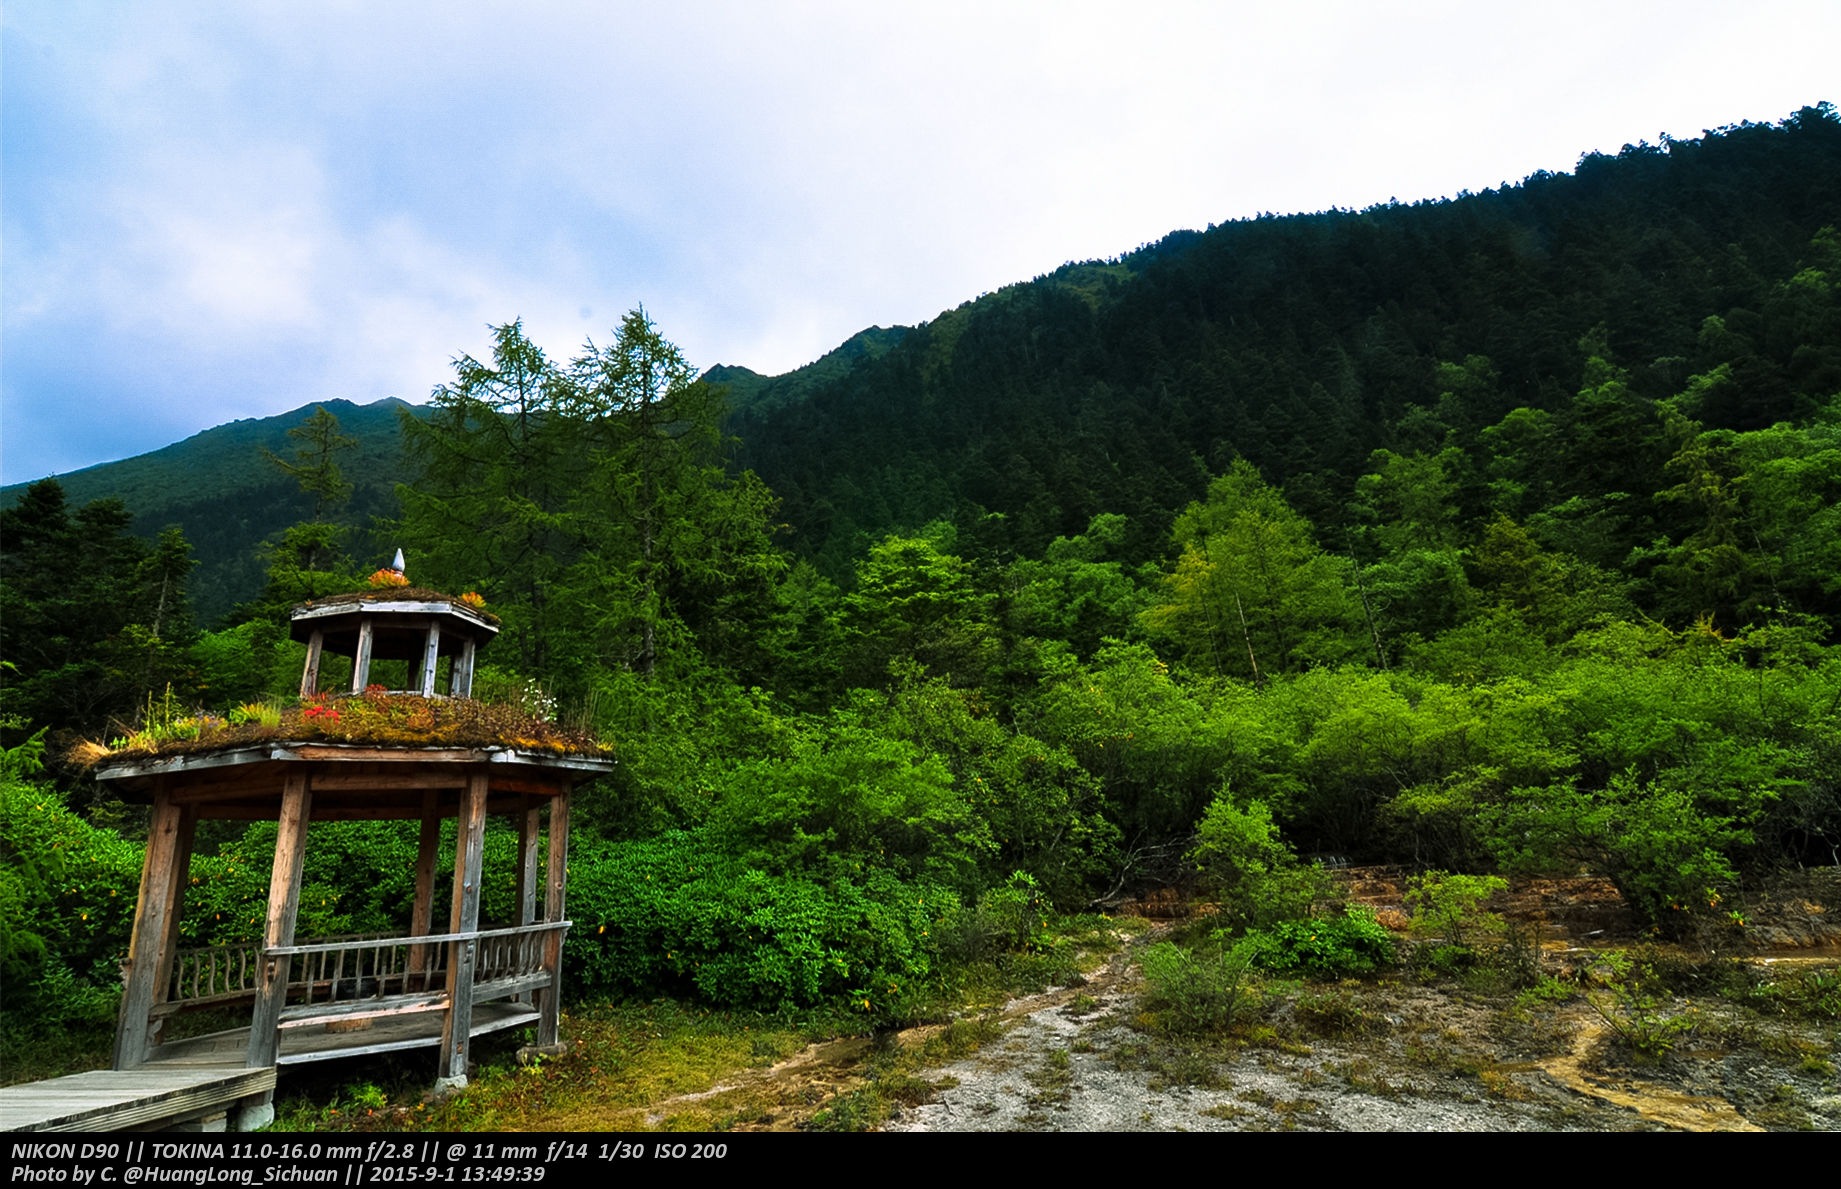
(297, 202)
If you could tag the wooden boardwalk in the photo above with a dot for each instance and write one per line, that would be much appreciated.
(119, 1099)
(191, 1079)
(322, 1043)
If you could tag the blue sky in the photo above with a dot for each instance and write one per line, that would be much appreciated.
(220, 210)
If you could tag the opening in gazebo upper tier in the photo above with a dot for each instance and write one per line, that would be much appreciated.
(416, 626)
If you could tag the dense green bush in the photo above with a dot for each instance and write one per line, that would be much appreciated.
(1009, 919)
(846, 789)
(356, 877)
(1260, 882)
(1327, 948)
(1450, 907)
(1201, 992)
(66, 911)
(672, 913)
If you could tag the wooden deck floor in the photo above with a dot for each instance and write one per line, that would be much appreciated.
(191, 1078)
(317, 1043)
(117, 1099)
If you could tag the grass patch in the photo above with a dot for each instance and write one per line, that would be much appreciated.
(622, 1060)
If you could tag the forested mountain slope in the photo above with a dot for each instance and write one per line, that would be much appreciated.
(220, 488)
(1301, 343)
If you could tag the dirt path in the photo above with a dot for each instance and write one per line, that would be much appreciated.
(1414, 1059)
(1388, 1054)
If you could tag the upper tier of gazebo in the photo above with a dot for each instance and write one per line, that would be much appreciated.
(409, 624)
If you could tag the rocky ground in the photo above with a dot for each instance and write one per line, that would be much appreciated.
(1383, 1056)
(1578, 1026)
(1405, 1053)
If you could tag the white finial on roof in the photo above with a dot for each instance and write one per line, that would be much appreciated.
(397, 565)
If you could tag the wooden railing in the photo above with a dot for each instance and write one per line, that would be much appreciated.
(349, 970)
(218, 974)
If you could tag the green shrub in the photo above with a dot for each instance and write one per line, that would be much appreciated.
(1639, 1020)
(1327, 948)
(1449, 907)
(1018, 910)
(356, 877)
(67, 894)
(1009, 919)
(1258, 879)
(1201, 992)
(672, 913)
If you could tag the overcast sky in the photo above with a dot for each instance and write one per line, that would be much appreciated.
(213, 211)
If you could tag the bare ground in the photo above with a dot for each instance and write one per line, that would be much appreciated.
(1396, 1055)
(1405, 1058)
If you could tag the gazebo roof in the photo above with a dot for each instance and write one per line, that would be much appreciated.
(351, 780)
(432, 729)
(337, 618)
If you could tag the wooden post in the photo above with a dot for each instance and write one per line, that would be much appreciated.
(283, 907)
(151, 927)
(556, 884)
(310, 680)
(182, 877)
(431, 659)
(460, 675)
(422, 918)
(361, 659)
(530, 825)
(469, 847)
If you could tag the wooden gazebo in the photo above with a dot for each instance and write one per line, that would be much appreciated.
(321, 998)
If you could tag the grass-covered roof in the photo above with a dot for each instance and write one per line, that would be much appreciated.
(374, 718)
(402, 594)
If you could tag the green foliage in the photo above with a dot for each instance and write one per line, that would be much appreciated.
(25, 759)
(1159, 746)
(1638, 1017)
(915, 603)
(90, 618)
(487, 510)
(1043, 811)
(1450, 907)
(590, 504)
(1806, 994)
(1242, 857)
(357, 877)
(1202, 991)
(848, 790)
(305, 561)
(1408, 501)
(315, 465)
(66, 909)
(675, 912)
(1017, 912)
(239, 664)
(1252, 595)
(1666, 856)
(1324, 948)
(671, 544)
(1073, 593)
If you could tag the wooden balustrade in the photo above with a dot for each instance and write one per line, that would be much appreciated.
(348, 971)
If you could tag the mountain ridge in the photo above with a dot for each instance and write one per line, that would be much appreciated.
(1121, 384)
